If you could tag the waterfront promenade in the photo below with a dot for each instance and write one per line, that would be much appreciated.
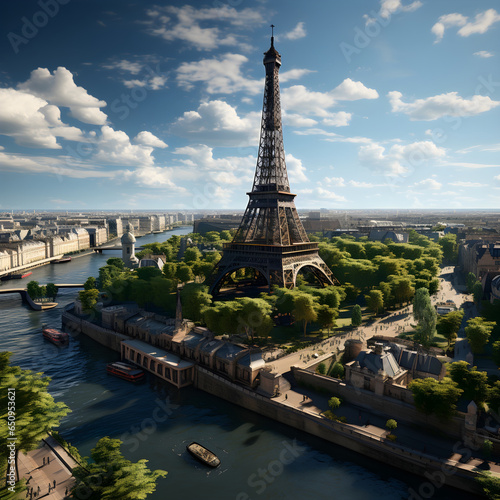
(48, 465)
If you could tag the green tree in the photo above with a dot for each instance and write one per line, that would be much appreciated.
(170, 270)
(477, 292)
(90, 284)
(427, 325)
(356, 315)
(303, 309)
(478, 332)
(420, 302)
(490, 484)
(194, 298)
(105, 279)
(116, 262)
(325, 316)
(321, 368)
(334, 403)
(192, 254)
(148, 273)
(391, 424)
(401, 289)
(474, 383)
(88, 298)
(449, 324)
(52, 290)
(450, 247)
(470, 280)
(494, 396)
(222, 317)
(496, 352)
(33, 290)
(212, 236)
(111, 476)
(254, 317)
(435, 397)
(184, 273)
(226, 235)
(337, 371)
(375, 301)
(36, 411)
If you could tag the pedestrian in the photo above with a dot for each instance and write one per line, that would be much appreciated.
(286, 396)
(54, 484)
(49, 487)
(43, 460)
(48, 460)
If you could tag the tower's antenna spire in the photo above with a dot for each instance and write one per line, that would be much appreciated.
(272, 35)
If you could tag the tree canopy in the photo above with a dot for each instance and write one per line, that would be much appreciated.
(439, 398)
(110, 475)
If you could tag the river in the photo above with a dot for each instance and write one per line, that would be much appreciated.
(261, 459)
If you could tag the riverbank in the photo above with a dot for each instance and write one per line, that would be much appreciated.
(369, 442)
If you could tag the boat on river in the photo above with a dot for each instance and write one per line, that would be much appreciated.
(202, 454)
(55, 336)
(61, 261)
(125, 371)
(16, 276)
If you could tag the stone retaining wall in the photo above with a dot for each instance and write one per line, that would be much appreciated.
(451, 472)
(391, 407)
(103, 336)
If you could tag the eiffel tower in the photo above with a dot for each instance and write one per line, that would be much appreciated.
(271, 238)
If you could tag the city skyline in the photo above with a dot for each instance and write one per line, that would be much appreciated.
(138, 106)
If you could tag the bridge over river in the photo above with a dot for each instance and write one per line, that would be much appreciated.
(34, 305)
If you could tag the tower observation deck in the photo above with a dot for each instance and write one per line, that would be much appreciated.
(271, 238)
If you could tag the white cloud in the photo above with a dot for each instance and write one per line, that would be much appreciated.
(333, 137)
(472, 165)
(398, 159)
(467, 184)
(185, 24)
(432, 108)
(481, 23)
(296, 171)
(148, 139)
(431, 184)
(389, 7)
(297, 120)
(60, 89)
(230, 170)
(340, 119)
(32, 121)
(294, 74)
(307, 102)
(350, 90)
(60, 166)
(365, 185)
(298, 32)
(218, 123)
(220, 75)
(114, 146)
(133, 67)
(334, 181)
(484, 54)
(299, 98)
(312, 195)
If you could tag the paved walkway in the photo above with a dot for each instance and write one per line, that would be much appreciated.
(41, 467)
(373, 424)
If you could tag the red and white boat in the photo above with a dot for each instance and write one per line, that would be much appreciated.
(125, 371)
(55, 336)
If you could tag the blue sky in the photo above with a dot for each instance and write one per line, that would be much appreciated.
(156, 105)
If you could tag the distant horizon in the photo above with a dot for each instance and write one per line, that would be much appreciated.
(128, 210)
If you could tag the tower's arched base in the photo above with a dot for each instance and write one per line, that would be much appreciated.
(278, 264)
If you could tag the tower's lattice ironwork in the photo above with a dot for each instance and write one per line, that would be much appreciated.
(271, 238)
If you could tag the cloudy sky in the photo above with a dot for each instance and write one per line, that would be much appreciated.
(142, 105)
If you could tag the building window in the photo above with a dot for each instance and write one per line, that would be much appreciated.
(159, 369)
